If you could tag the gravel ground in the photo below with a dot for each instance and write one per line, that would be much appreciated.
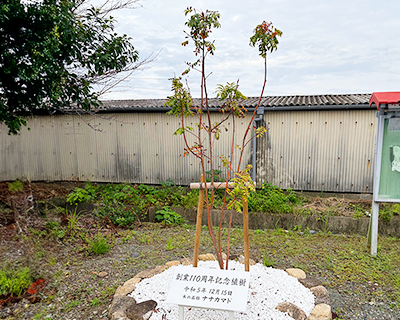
(354, 307)
(77, 288)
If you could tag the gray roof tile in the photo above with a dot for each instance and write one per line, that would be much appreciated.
(251, 102)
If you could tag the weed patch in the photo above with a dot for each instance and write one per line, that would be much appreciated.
(72, 218)
(273, 199)
(388, 210)
(128, 237)
(14, 282)
(79, 195)
(268, 262)
(54, 229)
(15, 186)
(168, 216)
(99, 245)
(169, 245)
(123, 204)
(118, 213)
(96, 302)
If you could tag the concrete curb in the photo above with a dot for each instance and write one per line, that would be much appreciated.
(261, 220)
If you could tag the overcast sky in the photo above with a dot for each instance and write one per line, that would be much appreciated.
(341, 46)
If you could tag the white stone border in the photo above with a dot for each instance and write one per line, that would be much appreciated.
(321, 311)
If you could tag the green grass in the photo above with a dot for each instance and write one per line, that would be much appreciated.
(341, 259)
(338, 260)
(127, 236)
(388, 210)
(96, 302)
(169, 245)
(267, 261)
(15, 186)
(72, 304)
(145, 239)
(72, 218)
(99, 245)
(14, 282)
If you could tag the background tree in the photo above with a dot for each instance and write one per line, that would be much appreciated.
(54, 53)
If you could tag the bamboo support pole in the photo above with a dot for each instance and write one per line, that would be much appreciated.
(246, 234)
(217, 185)
(198, 224)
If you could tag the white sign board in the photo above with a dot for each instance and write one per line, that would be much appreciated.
(209, 288)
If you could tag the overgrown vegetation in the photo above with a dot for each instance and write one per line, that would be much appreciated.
(388, 210)
(124, 204)
(167, 216)
(273, 199)
(118, 213)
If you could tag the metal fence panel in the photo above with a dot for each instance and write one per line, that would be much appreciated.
(318, 150)
(123, 147)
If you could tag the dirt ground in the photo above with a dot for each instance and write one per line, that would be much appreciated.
(77, 284)
(74, 284)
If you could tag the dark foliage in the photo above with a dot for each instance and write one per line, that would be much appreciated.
(52, 53)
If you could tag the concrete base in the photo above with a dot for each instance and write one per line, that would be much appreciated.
(263, 221)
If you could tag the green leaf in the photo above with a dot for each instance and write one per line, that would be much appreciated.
(51, 56)
(179, 131)
(266, 38)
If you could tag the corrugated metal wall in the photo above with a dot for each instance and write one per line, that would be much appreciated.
(318, 150)
(132, 147)
(304, 150)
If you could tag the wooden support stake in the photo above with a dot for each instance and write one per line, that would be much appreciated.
(246, 234)
(198, 224)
